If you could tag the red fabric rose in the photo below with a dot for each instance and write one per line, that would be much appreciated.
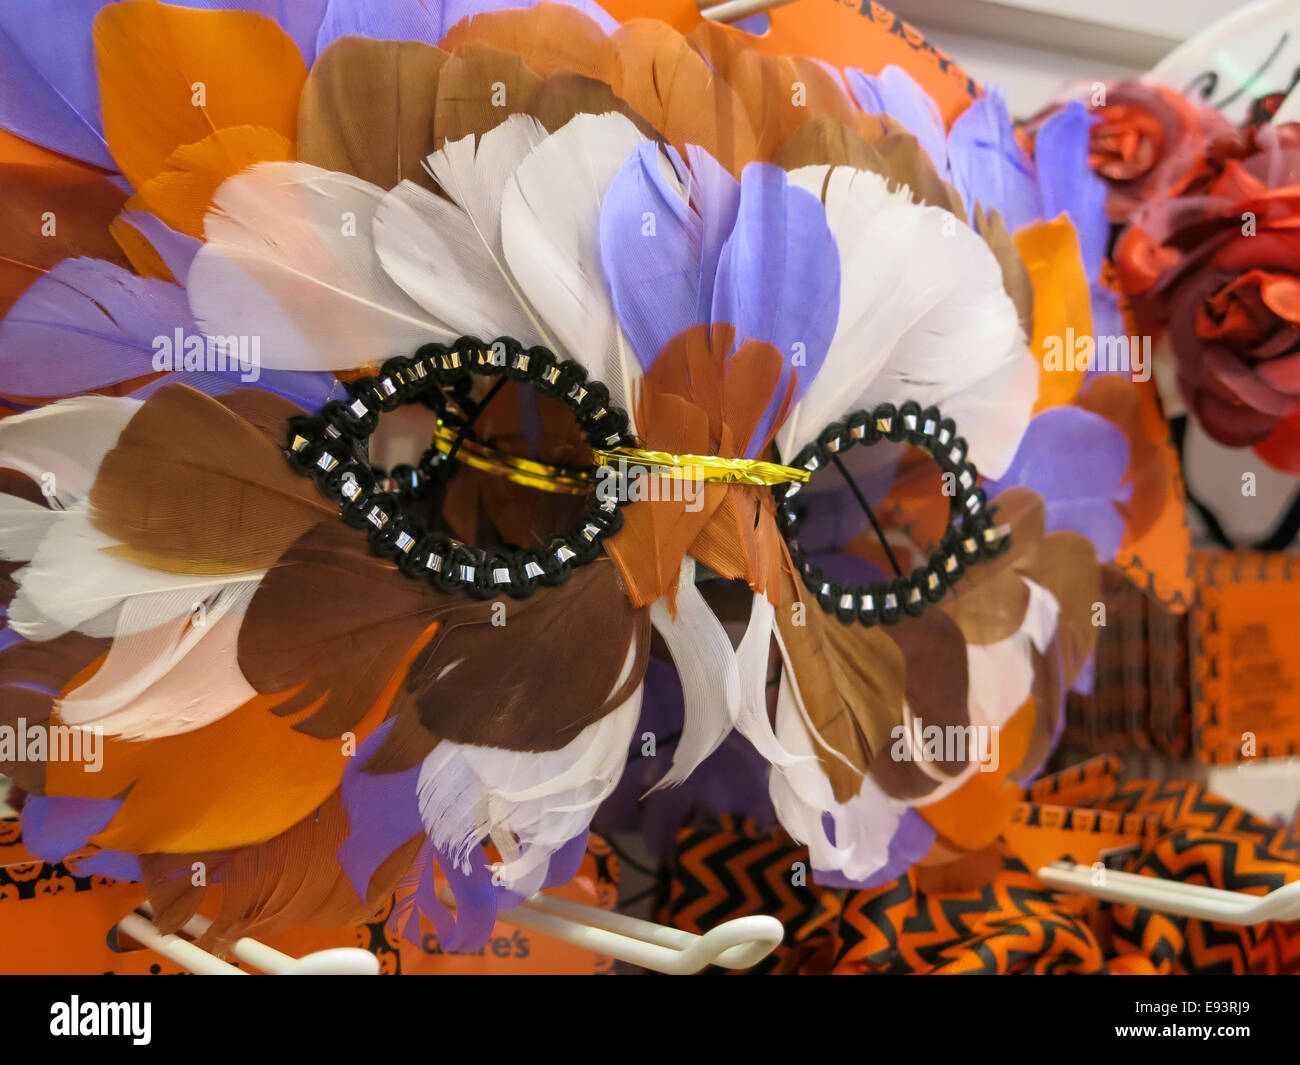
(1218, 263)
(1145, 138)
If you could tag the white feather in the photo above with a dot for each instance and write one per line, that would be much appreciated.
(290, 258)
(445, 253)
(802, 795)
(707, 667)
(1002, 674)
(923, 316)
(23, 525)
(550, 231)
(60, 446)
(73, 584)
(172, 678)
(529, 803)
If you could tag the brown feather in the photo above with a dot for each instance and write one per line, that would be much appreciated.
(851, 679)
(336, 621)
(368, 109)
(558, 661)
(906, 163)
(936, 690)
(82, 205)
(1066, 565)
(990, 610)
(342, 622)
(291, 880)
(827, 141)
(479, 89)
(1015, 276)
(193, 488)
(265, 411)
(564, 94)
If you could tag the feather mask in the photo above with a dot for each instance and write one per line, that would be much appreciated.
(532, 240)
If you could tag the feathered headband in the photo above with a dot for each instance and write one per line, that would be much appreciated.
(532, 244)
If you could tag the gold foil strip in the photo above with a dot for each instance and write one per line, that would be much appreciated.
(705, 467)
(527, 472)
(548, 478)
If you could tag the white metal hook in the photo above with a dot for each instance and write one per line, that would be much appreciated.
(339, 961)
(735, 10)
(1172, 896)
(735, 944)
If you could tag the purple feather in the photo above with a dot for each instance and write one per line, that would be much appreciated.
(715, 195)
(55, 826)
(300, 19)
(778, 279)
(1107, 319)
(421, 20)
(650, 242)
(893, 92)
(911, 842)
(989, 166)
(86, 324)
(1075, 460)
(310, 391)
(1068, 184)
(384, 814)
(49, 92)
(177, 250)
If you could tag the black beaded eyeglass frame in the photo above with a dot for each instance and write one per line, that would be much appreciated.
(332, 448)
(971, 534)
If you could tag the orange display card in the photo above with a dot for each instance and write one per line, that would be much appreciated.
(1245, 668)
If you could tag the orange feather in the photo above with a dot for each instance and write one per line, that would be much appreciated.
(170, 76)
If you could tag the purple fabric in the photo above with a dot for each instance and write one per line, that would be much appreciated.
(1075, 460)
(8, 638)
(49, 92)
(911, 842)
(989, 166)
(421, 20)
(778, 280)
(848, 569)
(1068, 184)
(177, 250)
(895, 93)
(832, 515)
